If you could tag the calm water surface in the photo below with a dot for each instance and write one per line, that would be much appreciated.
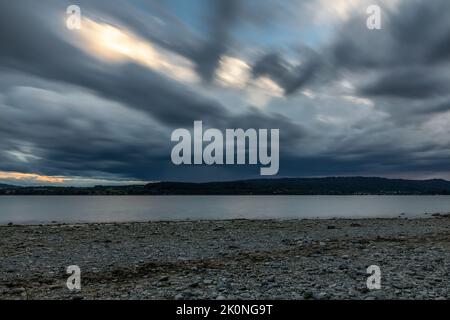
(42, 209)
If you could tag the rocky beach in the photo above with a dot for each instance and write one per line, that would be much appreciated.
(235, 259)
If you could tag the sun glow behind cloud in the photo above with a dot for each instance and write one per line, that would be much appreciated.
(118, 45)
(19, 177)
(236, 73)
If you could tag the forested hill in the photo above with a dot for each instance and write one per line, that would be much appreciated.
(287, 186)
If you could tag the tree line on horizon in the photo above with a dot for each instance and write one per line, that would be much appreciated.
(283, 186)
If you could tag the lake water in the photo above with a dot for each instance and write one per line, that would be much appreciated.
(44, 209)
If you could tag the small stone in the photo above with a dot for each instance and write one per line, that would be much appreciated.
(322, 295)
(308, 295)
(223, 284)
(179, 296)
(164, 278)
(54, 286)
(436, 215)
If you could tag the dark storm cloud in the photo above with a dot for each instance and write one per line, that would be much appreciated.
(53, 133)
(288, 77)
(208, 55)
(410, 55)
(290, 134)
(408, 83)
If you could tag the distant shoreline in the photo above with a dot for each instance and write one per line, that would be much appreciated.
(282, 186)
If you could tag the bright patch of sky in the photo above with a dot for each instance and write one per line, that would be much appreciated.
(193, 13)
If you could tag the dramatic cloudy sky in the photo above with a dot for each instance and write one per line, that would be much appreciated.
(98, 105)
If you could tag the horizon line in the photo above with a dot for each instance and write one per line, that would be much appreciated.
(214, 181)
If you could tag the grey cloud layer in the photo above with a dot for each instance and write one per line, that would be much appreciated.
(71, 114)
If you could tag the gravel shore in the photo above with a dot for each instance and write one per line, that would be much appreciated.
(236, 259)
